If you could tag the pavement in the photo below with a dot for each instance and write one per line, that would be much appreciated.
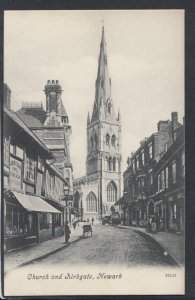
(24, 256)
(172, 243)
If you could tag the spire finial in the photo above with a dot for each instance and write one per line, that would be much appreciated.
(102, 23)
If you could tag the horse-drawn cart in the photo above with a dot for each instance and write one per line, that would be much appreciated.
(87, 229)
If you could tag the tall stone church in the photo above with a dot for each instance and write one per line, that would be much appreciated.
(97, 192)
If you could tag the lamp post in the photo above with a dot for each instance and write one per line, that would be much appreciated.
(66, 193)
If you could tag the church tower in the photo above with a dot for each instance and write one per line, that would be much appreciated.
(104, 139)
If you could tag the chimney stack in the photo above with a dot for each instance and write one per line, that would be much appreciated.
(7, 95)
(175, 124)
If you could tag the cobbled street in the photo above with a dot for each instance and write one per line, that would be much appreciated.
(110, 245)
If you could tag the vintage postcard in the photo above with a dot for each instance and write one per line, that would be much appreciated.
(94, 153)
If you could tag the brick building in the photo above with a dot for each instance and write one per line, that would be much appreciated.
(169, 185)
(138, 201)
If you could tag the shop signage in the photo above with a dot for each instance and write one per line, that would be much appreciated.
(15, 173)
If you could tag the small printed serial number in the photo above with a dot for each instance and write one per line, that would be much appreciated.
(170, 275)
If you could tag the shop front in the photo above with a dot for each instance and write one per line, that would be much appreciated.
(28, 220)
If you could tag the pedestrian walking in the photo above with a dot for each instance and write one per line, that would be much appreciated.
(92, 220)
(153, 225)
(74, 225)
(67, 233)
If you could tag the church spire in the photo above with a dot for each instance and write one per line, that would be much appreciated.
(103, 106)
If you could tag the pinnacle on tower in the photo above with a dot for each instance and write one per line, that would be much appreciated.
(88, 119)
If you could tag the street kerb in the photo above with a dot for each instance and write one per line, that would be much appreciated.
(42, 256)
(160, 246)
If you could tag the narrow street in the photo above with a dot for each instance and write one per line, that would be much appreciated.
(110, 245)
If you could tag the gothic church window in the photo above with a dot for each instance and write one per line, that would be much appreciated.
(110, 164)
(109, 107)
(114, 164)
(107, 139)
(91, 202)
(111, 192)
(113, 140)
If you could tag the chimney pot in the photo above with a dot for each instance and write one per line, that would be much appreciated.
(48, 81)
(57, 81)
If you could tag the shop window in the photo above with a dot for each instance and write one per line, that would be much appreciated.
(174, 171)
(6, 151)
(44, 219)
(30, 166)
(18, 221)
(57, 220)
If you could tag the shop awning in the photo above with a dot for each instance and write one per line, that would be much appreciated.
(34, 203)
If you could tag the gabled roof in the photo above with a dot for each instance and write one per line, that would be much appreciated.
(32, 117)
(13, 116)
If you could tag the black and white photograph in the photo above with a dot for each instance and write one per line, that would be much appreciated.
(94, 152)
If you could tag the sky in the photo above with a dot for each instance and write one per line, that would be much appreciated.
(145, 50)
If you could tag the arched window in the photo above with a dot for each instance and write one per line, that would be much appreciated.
(109, 107)
(111, 192)
(91, 202)
(113, 140)
(107, 139)
(114, 164)
(110, 164)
